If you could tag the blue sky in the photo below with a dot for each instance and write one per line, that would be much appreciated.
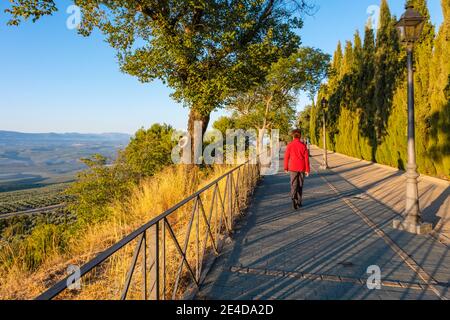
(53, 80)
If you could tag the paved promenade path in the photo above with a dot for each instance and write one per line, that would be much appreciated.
(324, 250)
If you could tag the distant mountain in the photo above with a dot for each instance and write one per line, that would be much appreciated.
(11, 136)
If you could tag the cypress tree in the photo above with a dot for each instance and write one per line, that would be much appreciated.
(347, 61)
(357, 73)
(315, 126)
(333, 93)
(386, 68)
(367, 127)
(439, 142)
(313, 133)
(393, 148)
(346, 133)
(336, 64)
(423, 51)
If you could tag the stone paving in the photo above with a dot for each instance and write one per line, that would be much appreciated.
(322, 252)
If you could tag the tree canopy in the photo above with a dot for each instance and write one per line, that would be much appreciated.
(271, 105)
(147, 153)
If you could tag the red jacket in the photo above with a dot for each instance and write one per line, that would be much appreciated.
(296, 158)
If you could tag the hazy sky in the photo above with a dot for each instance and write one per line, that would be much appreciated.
(52, 79)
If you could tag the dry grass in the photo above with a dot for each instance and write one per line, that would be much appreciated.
(147, 201)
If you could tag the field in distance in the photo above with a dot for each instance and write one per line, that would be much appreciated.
(29, 200)
(36, 169)
(21, 211)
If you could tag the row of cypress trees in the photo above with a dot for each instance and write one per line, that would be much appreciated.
(367, 94)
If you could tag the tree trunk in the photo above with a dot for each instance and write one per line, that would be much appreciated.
(197, 116)
(191, 170)
(197, 137)
(261, 134)
(266, 114)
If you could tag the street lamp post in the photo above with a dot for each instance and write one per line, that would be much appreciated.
(324, 165)
(410, 28)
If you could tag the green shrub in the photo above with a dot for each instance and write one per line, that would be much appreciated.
(46, 240)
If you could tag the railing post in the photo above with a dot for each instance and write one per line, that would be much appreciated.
(154, 263)
(237, 190)
(216, 220)
(144, 266)
(249, 180)
(197, 224)
(230, 200)
(157, 261)
(163, 261)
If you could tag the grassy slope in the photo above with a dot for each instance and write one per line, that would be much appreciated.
(151, 198)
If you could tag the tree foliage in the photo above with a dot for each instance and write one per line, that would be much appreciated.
(271, 105)
(304, 120)
(147, 153)
(439, 136)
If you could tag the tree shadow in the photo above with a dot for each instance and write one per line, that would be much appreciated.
(429, 214)
(400, 162)
(320, 240)
(440, 132)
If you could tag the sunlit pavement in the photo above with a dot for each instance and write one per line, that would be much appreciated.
(324, 250)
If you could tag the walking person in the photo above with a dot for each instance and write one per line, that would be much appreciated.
(296, 163)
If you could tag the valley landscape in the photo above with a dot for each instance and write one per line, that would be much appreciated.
(35, 171)
(35, 160)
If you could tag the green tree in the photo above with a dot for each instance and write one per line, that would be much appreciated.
(149, 150)
(304, 121)
(225, 123)
(272, 104)
(316, 123)
(367, 125)
(346, 133)
(439, 142)
(332, 93)
(423, 52)
(96, 187)
(387, 68)
(336, 65)
(314, 133)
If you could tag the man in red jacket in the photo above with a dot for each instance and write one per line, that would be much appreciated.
(296, 162)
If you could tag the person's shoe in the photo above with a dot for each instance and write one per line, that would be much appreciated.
(294, 205)
(300, 204)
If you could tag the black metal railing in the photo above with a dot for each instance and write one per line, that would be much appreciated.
(168, 267)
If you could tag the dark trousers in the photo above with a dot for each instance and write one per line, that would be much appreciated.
(297, 180)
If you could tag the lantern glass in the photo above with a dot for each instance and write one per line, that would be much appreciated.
(410, 26)
(418, 29)
(401, 32)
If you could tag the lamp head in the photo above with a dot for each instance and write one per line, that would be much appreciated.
(410, 25)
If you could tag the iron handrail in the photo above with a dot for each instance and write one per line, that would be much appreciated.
(141, 232)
